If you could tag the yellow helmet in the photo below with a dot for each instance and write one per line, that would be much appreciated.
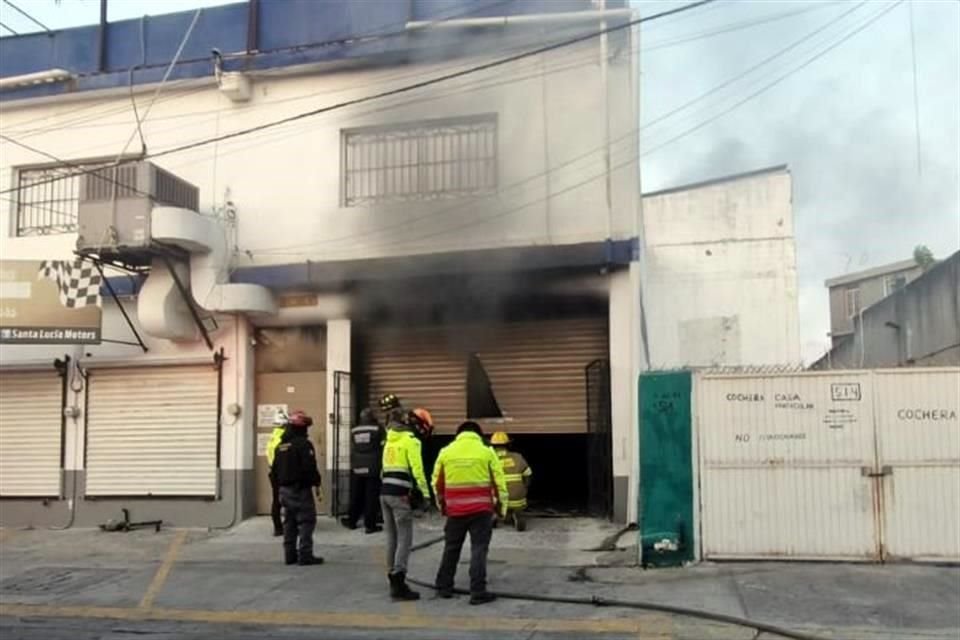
(500, 438)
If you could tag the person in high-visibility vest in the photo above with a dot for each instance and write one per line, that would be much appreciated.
(469, 484)
(402, 489)
(279, 426)
(518, 474)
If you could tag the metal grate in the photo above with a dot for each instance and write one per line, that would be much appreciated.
(420, 161)
(47, 200)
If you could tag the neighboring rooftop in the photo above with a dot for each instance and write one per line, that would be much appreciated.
(780, 168)
(874, 272)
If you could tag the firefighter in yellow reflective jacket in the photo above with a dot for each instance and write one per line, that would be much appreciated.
(403, 489)
(518, 474)
(279, 426)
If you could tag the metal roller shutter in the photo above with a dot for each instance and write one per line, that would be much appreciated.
(31, 410)
(421, 367)
(538, 372)
(536, 369)
(152, 431)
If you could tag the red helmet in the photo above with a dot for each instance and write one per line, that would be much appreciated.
(422, 422)
(299, 420)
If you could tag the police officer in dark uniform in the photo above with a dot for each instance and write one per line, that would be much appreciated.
(295, 467)
(366, 451)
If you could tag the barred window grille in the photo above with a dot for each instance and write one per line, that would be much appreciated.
(420, 161)
(47, 200)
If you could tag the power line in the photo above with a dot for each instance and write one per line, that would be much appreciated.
(425, 83)
(780, 79)
(482, 220)
(9, 29)
(916, 91)
(27, 16)
(369, 37)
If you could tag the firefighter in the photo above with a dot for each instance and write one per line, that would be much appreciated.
(403, 489)
(279, 426)
(518, 475)
(470, 488)
(295, 468)
(366, 453)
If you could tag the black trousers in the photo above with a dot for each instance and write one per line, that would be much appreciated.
(480, 528)
(299, 521)
(275, 504)
(364, 499)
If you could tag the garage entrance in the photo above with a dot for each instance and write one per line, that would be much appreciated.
(544, 381)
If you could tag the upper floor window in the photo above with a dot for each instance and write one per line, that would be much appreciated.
(894, 282)
(853, 302)
(419, 161)
(47, 199)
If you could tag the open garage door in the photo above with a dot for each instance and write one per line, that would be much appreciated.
(31, 433)
(152, 431)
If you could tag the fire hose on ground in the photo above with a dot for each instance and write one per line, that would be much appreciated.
(600, 601)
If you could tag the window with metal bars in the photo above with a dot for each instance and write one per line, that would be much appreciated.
(47, 199)
(426, 160)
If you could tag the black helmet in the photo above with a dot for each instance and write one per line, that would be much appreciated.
(367, 416)
(389, 401)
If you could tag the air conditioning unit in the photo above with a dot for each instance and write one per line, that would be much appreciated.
(116, 202)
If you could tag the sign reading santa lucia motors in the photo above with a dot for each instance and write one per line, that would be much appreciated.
(49, 302)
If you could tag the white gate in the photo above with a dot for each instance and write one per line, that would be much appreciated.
(853, 465)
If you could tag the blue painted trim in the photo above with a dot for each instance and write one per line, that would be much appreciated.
(306, 275)
(288, 34)
(124, 286)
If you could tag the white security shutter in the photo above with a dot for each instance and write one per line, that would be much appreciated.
(152, 431)
(30, 432)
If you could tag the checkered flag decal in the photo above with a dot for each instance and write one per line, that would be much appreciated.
(78, 282)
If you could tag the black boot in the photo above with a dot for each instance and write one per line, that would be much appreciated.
(483, 597)
(307, 560)
(289, 557)
(401, 591)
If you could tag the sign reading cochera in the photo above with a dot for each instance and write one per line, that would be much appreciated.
(49, 302)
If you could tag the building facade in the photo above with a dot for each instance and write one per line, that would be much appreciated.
(476, 246)
(917, 325)
(853, 292)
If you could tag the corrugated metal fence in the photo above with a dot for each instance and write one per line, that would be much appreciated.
(852, 465)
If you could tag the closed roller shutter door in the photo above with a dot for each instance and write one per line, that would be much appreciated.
(152, 431)
(31, 409)
(423, 369)
(536, 370)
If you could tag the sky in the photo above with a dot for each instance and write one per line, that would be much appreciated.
(845, 123)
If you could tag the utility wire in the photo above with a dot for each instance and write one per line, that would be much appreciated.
(770, 85)
(369, 37)
(424, 83)
(9, 29)
(572, 161)
(916, 91)
(27, 16)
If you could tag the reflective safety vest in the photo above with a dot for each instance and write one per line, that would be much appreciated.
(517, 473)
(366, 441)
(275, 436)
(468, 477)
(403, 464)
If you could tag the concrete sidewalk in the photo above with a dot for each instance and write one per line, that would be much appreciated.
(219, 583)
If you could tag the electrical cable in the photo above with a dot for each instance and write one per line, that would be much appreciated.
(916, 90)
(9, 29)
(371, 37)
(27, 16)
(570, 162)
(673, 42)
(600, 601)
(780, 79)
(422, 84)
(486, 219)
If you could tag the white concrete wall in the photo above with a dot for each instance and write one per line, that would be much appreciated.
(338, 359)
(286, 181)
(721, 278)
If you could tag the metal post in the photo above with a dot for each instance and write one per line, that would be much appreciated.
(186, 298)
(113, 294)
